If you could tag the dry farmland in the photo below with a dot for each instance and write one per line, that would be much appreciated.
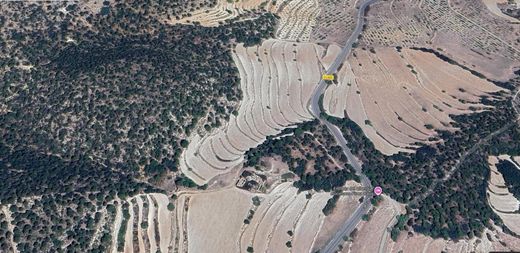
(465, 30)
(298, 18)
(371, 235)
(401, 98)
(230, 220)
(492, 241)
(277, 80)
(335, 21)
(281, 216)
(147, 227)
(222, 11)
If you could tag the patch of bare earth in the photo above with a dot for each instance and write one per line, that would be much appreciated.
(491, 241)
(345, 207)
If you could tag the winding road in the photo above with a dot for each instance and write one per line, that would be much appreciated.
(315, 109)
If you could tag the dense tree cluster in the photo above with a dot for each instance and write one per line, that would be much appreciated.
(511, 176)
(55, 203)
(120, 88)
(456, 207)
(311, 153)
(330, 205)
(5, 234)
(93, 99)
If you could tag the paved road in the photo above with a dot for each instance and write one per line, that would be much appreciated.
(315, 109)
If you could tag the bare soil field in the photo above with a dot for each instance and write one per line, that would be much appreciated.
(371, 233)
(500, 199)
(345, 206)
(277, 81)
(420, 243)
(466, 31)
(232, 220)
(401, 98)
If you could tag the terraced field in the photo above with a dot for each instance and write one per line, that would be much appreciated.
(335, 21)
(493, 241)
(277, 80)
(402, 98)
(297, 17)
(466, 30)
(280, 218)
(147, 227)
(500, 199)
(224, 10)
(371, 237)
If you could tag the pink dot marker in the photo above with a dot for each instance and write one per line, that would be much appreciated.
(378, 190)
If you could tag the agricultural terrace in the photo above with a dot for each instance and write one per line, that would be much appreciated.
(464, 30)
(335, 21)
(401, 97)
(297, 18)
(278, 221)
(430, 179)
(277, 80)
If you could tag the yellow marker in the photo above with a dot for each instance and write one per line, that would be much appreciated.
(327, 77)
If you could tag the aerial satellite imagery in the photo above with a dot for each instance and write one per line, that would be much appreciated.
(241, 126)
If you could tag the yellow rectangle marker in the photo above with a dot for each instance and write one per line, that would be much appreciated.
(327, 77)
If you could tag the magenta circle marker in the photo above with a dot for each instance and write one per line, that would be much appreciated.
(378, 190)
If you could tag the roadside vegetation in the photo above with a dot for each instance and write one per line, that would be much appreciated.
(311, 153)
(444, 184)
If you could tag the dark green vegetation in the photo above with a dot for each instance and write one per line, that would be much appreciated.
(331, 204)
(127, 90)
(51, 198)
(399, 226)
(122, 229)
(445, 183)
(311, 153)
(5, 234)
(511, 176)
(96, 103)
